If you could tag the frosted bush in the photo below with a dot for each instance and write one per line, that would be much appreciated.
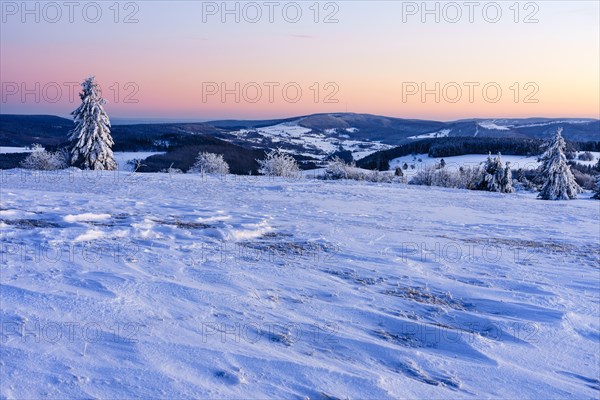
(338, 169)
(210, 163)
(277, 163)
(464, 178)
(42, 160)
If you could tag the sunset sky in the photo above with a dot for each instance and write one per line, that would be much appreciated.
(368, 61)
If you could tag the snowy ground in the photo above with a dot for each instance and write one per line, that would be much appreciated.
(8, 149)
(472, 160)
(176, 286)
(122, 157)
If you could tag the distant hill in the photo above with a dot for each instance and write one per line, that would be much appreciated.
(24, 130)
(394, 131)
(312, 138)
(48, 130)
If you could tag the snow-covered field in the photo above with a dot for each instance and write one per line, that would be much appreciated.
(472, 160)
(8, 149)
(115, 285)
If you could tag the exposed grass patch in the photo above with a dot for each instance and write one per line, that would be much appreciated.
(29, 223)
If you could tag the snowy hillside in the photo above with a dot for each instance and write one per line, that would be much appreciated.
(296, 139)
(506, 124)
(442, 133)
(177, 286)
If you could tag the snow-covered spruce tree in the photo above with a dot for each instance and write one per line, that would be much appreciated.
(495, 177)
(277, 163)
(90, 141)
(597, 193)
(492, 174)
(559, 182)
(210, 163)
(506, 179)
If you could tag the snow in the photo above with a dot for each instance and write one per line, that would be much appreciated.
(438, 134)
(492, 125)
(315, 144)
(122, 157)
(86, 217)
(454, 163)
(561, 122)
(473, 160)
(183, 286)
(8, 149)
(596, 155)
(89, 236)
(286, 130)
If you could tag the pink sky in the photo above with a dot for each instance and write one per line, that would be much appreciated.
(369, 61)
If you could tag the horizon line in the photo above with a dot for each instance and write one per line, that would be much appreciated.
(191, 120)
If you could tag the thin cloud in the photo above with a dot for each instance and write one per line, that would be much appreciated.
(301, 36)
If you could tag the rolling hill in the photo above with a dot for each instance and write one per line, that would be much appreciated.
(312, 138)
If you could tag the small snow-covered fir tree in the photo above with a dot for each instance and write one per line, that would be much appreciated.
(559, 182)
(490, 180)
(506, 180)
(496, 178)
(210, 163)
(597, 193)
(90, 141)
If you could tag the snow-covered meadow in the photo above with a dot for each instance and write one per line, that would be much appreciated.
(120, 285)
(422, 161)
(9, 150)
